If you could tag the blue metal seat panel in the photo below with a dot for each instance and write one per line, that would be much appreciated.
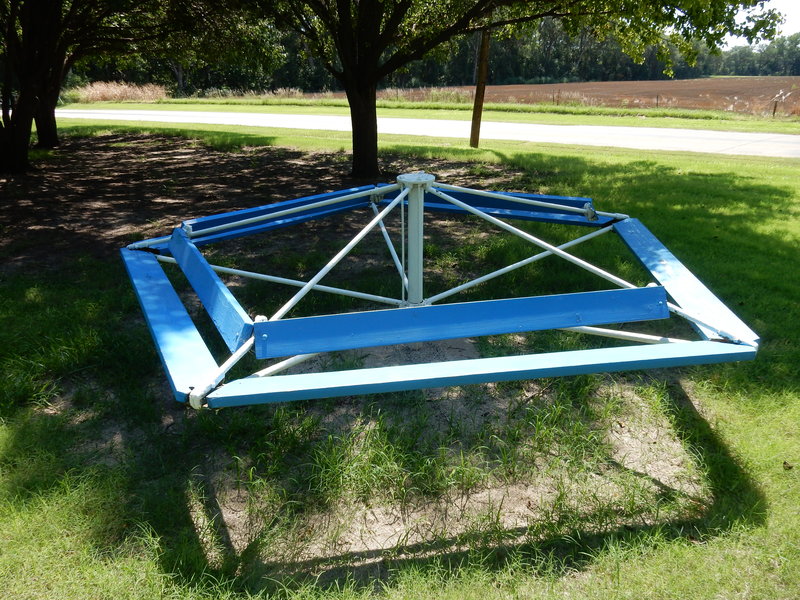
(284, 388)
(425, 323)
(234, 324)
(183, 352)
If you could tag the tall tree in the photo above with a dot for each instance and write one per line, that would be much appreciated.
(41, 41)
(226, 50)
(363, 41)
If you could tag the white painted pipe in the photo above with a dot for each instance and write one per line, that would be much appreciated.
(290, 211)
(199, 393)
(534, 240)
(397, 262)
(284, 364)
(416, 184)
(295, 283)
(630, 336)
(516, 265)
(336, 259)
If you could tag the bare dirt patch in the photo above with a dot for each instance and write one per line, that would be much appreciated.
(97, 194)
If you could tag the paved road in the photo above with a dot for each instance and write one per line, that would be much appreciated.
(642, 138)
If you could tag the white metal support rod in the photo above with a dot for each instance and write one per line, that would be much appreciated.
(392, 251)
(416, 183)
(295, 282)
(529, 201)
(339, 256)
(415, 241)
(204, 389)
(296, 209)
(690, 317)
(630, 336)
(534, 240)
(151, 242)
(403, 253)
(512, 267)
(284, 364)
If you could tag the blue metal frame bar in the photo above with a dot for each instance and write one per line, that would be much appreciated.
(182, 351)
(233, 323)
(514, 210)
(245, 216)
(284, 388)
(241, 223)
(280, 214)
(425, 323)
(687, 290)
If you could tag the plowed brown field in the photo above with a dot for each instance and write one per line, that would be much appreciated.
(739, 94)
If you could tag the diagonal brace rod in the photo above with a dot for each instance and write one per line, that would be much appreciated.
(392, 251)
(534, 240)
(630, 336)
(205, 387)
(284, 364)
(336, 259)
(516, 265)
(294, 282)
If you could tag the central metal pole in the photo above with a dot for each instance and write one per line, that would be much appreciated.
(416, 184)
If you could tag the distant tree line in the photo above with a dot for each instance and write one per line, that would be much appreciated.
(260, 58)
(780, 57)
(545, 53)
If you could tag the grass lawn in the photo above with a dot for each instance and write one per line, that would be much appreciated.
(667, 484)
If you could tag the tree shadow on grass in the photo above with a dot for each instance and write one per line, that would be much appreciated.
(702, 218)
(152, 473)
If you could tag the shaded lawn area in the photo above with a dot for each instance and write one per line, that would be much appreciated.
(109, 485)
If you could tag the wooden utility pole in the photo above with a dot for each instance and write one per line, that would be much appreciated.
(480, 88)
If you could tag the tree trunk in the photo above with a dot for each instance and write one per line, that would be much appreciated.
(482, 74)
(16, 135)
(46, 129)
(180, 79)
(364, 119)
(45, 116)
(5, 150)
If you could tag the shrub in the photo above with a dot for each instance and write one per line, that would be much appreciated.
(115, 91)
(443, 95)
